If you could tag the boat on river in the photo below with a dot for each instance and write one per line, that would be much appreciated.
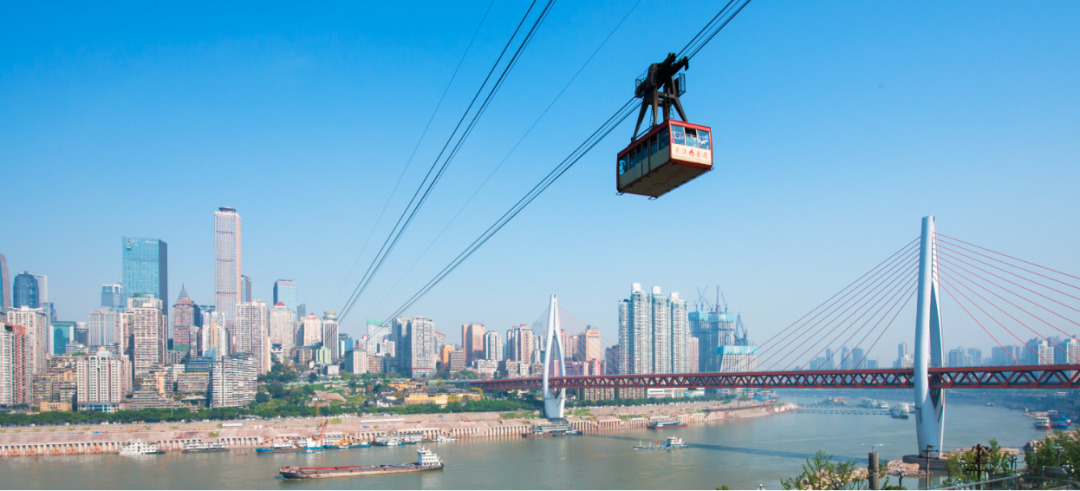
(426, 461)
(672, 444)
(140, 447)
(280, 446)
(201, 446)
(665, 424)
(1042, 423)
(898, 413)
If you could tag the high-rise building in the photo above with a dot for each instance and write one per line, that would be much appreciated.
(82, 333)
(145, 335)
(330, 334)
(520, 344)
(493, 346)
(36, 326)
(214, 336)
(857, 359)
(1008, 355)
(301, 311)
(281, 328)
(106, 327)
(312, 330)
(233, 381)
(112, 296)
(591, 347)
(694, 364)
(738, 358)
(26, 292)
(414, 340)
(845, 358)
(653, 332)
(977, 356)
(43, 287)
(5, 284)
(63, 332)
(472, 342)
(102, 381)
(245, 288)
(356, 362)
(15, 370)
(252, 333)
(959, 357)
(227, 263)
(186, 319)
(285, 292)
(145, 268)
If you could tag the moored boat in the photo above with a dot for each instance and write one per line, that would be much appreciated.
(673, 443)
(201, 446)
(426, 461)
(280, 446)
(444, 438)
(1042, 423)
(665, 424)
(140, 447)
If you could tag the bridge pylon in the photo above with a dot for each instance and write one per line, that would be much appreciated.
(929, 402)
(553, 405)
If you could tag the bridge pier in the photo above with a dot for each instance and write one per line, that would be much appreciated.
(553, 404)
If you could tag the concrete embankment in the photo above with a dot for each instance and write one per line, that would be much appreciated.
(170, 437)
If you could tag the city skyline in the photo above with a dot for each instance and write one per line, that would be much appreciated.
(816, 178)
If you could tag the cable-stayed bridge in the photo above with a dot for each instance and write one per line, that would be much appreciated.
(1002, 294)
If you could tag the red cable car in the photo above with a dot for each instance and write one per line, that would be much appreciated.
(670, 153)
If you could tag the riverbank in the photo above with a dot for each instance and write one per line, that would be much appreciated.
(247, 434)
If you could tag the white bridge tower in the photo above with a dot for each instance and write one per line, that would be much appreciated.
(929, 403)
(553, 405)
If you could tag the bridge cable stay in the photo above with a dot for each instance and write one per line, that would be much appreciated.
(875, 275)
(897, 314)
(504, 159)
(815, 309)
(945, 251)
(557, 172)
(874, 328)
(630, 359)
(413, 154)
(894, 288)
(948, 291)
(422, 192)
(1048, 340)
(1013, 258)
(945, 281)
(874, 282)
(896, 295)
(1015, 294)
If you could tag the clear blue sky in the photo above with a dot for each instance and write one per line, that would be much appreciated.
(838, 125)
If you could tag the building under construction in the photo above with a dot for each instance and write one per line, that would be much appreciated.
(714, 327)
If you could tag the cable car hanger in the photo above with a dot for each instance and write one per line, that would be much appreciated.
(661, 85)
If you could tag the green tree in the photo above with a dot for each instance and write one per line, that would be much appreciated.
(311, 378)
(262, 397)
(821, 472)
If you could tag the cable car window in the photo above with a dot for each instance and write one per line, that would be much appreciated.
(637, 157)
(665, 139)
(622, 164)
(653, 148)
(691, 137)
(703, 140)
(680, 137)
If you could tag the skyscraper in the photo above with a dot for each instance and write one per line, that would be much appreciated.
(285, 292)
(493, 347)
(112, 296)
(25, 291)
(252, 333)
(281, 329)
(36, 326)
(227, 263)
(312, 334)
(43, 287)
(15, 376)
(145, 268)
(145, 330)
(63, 332)
(245, 288)
(186, 317)
(5, 284)
(592, 348)
(472, 341)
(330, 334)
(106, 327)
(654, 333)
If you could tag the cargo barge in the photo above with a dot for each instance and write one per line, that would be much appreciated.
(426, 461)
(666, 424)
(201, 446)
(550, 430)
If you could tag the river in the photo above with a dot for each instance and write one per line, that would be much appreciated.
(740, 452)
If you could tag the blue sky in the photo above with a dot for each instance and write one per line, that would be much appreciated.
(838, 125)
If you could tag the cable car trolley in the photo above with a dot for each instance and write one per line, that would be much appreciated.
(670, 153)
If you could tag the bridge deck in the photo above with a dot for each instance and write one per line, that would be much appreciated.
(1016, 377)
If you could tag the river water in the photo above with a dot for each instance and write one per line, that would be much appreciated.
(740, 452)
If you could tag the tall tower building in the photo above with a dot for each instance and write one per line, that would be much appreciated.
(5, 284)
(680, 335)
(661, 320)
(36, 326)
(472, 340)
(654, 334)
(106, 327)
(312, 330)
(15, 377)
(112, 296)
(145, 268)
(591, 347)
(330, 334)
(145, 330)
(227, 263)
(285, 292)
(245, 288)
(252, 333)
(281, 329)
(493, 346)
(25, 291)
(186, 318)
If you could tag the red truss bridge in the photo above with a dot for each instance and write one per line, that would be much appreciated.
(1019, 377)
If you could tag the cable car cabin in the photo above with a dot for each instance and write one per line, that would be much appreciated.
(668, 156)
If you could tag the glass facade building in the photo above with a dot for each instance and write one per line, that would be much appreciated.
(112, 296)
(227, 263)
(25, 291)
(145, 267)
(62, 334)
(285, 292)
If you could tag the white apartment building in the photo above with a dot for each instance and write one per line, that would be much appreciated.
(102, 381)
(252, 333)
(36, 324)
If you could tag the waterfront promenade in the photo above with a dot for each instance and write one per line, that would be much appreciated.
(93, 439)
